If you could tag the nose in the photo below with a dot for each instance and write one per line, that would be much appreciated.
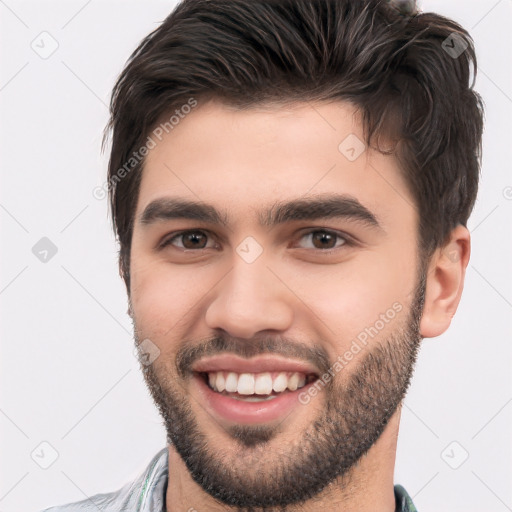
(250, 299)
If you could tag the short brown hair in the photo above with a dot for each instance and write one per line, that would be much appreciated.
(408, 73)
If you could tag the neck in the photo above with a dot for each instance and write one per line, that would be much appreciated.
(368, 487)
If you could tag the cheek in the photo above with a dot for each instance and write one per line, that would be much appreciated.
(167, 298)
(351, 297)
(160, 298)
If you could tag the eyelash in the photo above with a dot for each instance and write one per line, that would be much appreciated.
(348, 242)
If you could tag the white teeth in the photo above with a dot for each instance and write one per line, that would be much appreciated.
(263, 384)
(280, 383)
(232, 382)
(246, 384)
(220, 384)
(293, 382)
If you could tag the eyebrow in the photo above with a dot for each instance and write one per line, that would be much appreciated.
(318, 207)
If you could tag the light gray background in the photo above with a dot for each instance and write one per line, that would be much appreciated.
(68, 374)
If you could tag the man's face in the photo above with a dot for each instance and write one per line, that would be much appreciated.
(285, 342)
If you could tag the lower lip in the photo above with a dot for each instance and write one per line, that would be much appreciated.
(239, 411)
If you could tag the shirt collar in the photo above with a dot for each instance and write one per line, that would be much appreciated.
(154, 481)
(153, 484)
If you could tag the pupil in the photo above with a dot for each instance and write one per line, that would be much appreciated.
(193, 237)
(322, 237)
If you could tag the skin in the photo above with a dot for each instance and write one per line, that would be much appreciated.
(242, 162)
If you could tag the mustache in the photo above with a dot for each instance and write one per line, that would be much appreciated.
(189, 353)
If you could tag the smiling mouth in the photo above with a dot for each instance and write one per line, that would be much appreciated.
(255, 387)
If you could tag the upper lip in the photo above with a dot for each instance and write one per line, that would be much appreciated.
(258, 364)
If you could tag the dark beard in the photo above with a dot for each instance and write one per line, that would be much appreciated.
(357, 410)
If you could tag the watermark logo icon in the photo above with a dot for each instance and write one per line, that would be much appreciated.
(249, 249)
(352, 147)
(45, 45)
(455, 455)
(147, 352)
(44, 455)
(44, 250)
(455, 45)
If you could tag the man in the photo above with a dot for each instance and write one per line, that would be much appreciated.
(290, 182)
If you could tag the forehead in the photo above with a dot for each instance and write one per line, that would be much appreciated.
(244, 161)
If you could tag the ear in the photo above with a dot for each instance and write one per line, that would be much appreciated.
(445, 282)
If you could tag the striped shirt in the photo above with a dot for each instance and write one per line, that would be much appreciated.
(147, 493)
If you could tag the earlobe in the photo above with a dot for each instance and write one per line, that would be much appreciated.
(445, 282)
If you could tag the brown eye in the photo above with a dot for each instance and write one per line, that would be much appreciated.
(190, 240)
(325, 240)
